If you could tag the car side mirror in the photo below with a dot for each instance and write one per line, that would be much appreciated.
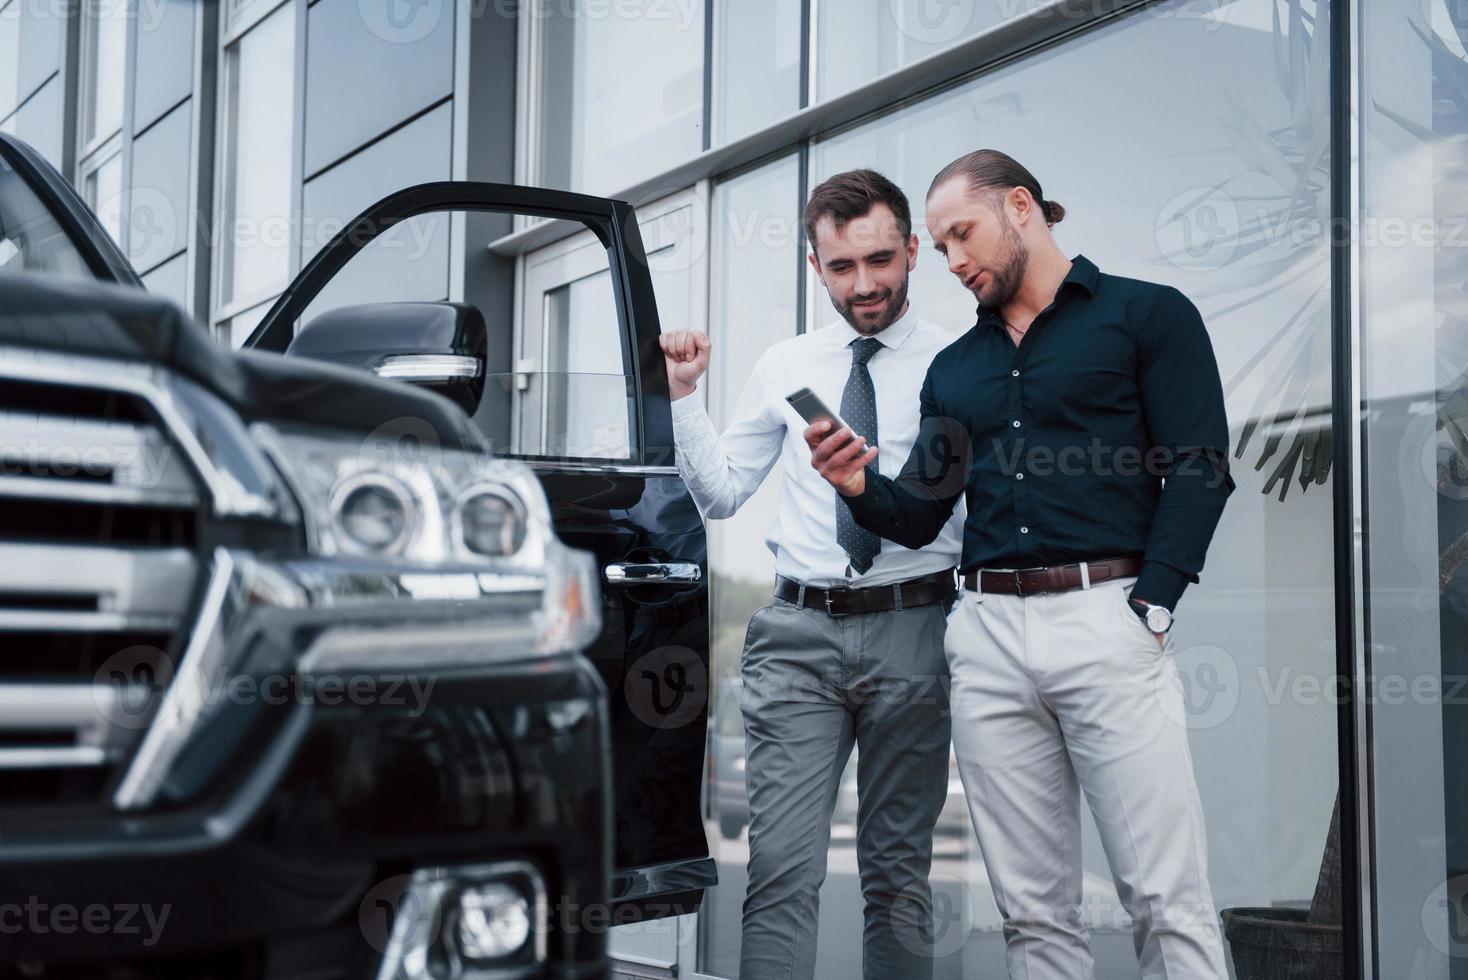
(439, 346)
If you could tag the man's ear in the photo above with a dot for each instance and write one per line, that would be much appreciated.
(815, 263)
(912, 251)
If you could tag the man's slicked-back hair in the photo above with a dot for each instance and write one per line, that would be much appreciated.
(851, 195)
(996, 170)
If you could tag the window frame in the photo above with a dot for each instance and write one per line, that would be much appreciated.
(578, 256)
(239, 18)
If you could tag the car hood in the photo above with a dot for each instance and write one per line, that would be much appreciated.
(78, 316)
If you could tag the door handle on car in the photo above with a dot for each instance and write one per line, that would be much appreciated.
(652, 572)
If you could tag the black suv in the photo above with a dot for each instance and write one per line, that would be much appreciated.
(299, 678)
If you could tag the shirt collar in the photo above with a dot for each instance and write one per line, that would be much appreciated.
(1083, 274)
(892, 338)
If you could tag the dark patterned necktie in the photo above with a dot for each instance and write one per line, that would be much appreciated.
(859, 409)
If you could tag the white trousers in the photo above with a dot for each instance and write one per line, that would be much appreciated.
(1058, 693)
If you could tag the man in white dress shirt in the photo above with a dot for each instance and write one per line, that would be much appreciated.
(851, 648)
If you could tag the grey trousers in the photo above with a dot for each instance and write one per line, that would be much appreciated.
(813, 685)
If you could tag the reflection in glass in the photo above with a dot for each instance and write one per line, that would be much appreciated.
(259, 101)
(581, 403)
(104, 195)
(104, 27)
(237, 329)
(1220, 189)
(621, 92)
(579, 415)
(31, 240)
(756, 65)
(1414, 378)
(753, 294)
(859, 40)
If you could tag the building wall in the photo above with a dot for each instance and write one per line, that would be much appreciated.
(224, 143)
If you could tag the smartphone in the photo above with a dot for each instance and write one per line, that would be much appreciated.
(813, 410)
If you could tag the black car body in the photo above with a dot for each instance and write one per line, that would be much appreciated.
(332, 709)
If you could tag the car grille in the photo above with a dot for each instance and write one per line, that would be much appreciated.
(99, 569)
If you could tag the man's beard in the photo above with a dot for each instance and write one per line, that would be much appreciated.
(1005, 281)
(895, 306)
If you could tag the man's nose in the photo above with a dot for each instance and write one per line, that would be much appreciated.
(865, 283)
(957, 264)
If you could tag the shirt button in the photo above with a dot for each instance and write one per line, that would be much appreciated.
(1024, 530)
(1016, 423)
(1019, 476)
(1014, 373)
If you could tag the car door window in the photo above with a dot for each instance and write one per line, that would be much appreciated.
(31, 240)
(574, 392)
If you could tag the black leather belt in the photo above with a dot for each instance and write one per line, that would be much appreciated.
(924, 591)
(1052, 578)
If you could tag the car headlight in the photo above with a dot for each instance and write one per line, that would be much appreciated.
(490, 521)
(374, 513)
(382, 498)
(432, 527)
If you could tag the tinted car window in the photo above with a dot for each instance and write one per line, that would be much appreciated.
(30, 238)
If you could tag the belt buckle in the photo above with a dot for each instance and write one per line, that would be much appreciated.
(829, 611)
(1019, 585)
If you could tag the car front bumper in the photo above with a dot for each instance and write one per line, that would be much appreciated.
(306, 782)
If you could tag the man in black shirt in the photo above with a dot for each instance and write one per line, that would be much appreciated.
(1082, 418)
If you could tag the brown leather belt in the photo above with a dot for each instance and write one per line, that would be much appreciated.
(924, 591)
(1052, 578)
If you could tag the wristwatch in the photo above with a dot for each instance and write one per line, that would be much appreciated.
(1158, 618)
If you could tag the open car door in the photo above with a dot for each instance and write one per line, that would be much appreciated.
(587, 407)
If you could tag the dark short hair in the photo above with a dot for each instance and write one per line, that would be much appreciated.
(995, 170)
(851, 195)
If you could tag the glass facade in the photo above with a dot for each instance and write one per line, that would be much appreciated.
(1222, 187)
(756, 63)
(1414, 386)
(621, 91)
(258, 106)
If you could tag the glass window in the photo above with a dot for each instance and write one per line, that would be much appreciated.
(170, 280)
(238, 328)
(259, 101)
(38, 121)
(621, 91)
(1414, 381)
(409, 261)
(572, 393)
(104, 52)
(859, 40)
(756, 65)
(30, 238)
(752, 304)
(103, 192)
(9, 56)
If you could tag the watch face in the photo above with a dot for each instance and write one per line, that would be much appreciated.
(1158, 619)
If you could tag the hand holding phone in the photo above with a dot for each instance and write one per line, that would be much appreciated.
(810, 407)
(844, 466)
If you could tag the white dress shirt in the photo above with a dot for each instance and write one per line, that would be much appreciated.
(722, 472)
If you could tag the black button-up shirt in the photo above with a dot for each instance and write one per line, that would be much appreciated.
(1102, 433)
